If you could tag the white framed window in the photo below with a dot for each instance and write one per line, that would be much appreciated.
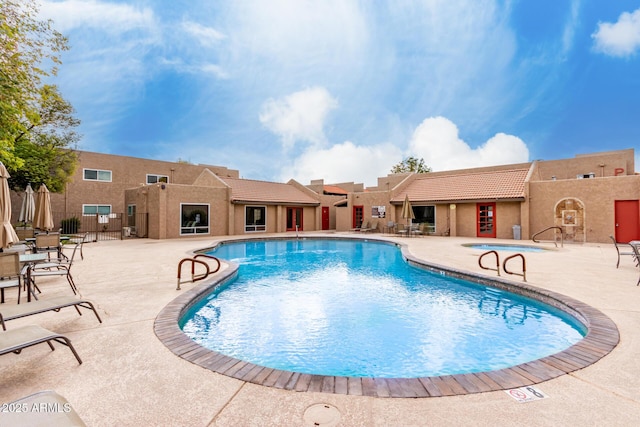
(255, 218)
(425, 215)
(96, 175)
(96, 210)
(194, 218)
(153, 178)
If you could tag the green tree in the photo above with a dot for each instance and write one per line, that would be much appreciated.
(411, 164)
(36, 123)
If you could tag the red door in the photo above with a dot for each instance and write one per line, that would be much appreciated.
(294, 219)
(358, 216)
(486, 216)
(325, 217)
(627, 218)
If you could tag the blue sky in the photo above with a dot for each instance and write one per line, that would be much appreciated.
(343, 90)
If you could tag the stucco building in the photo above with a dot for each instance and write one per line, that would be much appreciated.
(588, 198)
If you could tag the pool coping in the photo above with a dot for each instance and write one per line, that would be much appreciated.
(601, 338)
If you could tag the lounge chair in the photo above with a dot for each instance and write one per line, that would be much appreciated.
(363, 225)
(10, 312)
(59, 411)
(55, 267)
(15, 340)
(622, 252)
(10, 273)
(370, 228)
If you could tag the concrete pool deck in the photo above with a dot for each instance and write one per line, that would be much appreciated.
(130, 378)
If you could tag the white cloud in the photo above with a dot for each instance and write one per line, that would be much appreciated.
(290, 30)
(569, 33)
(207, 36)
(436, 140)
(621, 38)
(204, 68)
(109, 17)
(299, 116)
(344, 162)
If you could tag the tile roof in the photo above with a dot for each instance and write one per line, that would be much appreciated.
(247, 190)
(502, 184)
(334, 189)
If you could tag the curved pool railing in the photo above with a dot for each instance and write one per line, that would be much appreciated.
(524, 266)
(194, 261)
(601, 338)
(555, 242)
(497, 269)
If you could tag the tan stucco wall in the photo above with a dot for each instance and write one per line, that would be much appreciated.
(276, 219)
(598, 196)
(507, 215)
(600, 164)
(164, 207)
(367, 201)
(126, 173)
(343, 218)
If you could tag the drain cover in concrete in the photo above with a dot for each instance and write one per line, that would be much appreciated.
(321, 414)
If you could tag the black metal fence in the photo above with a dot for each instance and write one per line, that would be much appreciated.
(99, 227)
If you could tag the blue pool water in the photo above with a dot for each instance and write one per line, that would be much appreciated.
(505, 247)
(356, 308)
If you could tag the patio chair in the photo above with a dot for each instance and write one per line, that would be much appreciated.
(636, 255)
(63, 415)
(416, 229)
(24, 233)
(55, 267)
(80, 238)
(48, 242)
(619, 252)
(10, 273)
(390, 227)
(15, 340)
(402, 229)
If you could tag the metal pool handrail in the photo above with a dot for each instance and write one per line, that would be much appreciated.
(497, 261)
(524, 266)
(194, 261)
(554, 240)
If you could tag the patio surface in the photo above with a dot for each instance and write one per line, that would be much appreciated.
(130, 378)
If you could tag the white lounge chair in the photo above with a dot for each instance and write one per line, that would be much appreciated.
(59, 411)
(16, 311)
(16, 340)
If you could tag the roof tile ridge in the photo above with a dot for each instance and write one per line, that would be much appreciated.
(470, 173)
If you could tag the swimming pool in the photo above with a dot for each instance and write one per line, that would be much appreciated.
(356, 308)
(504, 247)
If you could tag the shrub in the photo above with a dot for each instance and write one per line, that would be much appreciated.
(70, 225)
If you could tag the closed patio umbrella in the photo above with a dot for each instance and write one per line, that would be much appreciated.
(407, 210)
(8, 235)
(28, 206)
(43, 217)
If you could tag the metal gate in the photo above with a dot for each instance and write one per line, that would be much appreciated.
(113, 226)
